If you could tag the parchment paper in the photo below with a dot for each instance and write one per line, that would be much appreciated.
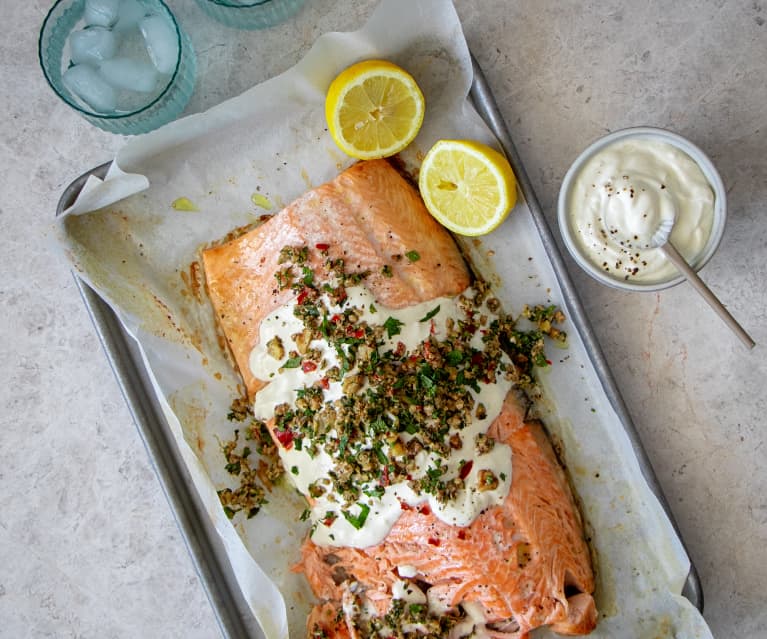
(128, 242)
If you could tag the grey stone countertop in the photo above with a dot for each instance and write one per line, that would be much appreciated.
(88, 545)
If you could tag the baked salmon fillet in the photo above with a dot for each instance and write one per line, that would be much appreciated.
(520, 561)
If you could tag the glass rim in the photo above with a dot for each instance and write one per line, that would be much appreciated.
(229, 5)
(96, 114)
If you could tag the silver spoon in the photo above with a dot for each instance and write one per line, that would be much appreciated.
(661, 240)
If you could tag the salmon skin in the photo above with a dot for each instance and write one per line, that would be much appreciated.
(517, 566)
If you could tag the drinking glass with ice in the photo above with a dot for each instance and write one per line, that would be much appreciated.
(124, 64)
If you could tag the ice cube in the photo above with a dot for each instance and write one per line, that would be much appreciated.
(92, 45)
(129, 14)
(125, 73)
(132, 45)
(161, 42)
(86, 83)
(102, 13)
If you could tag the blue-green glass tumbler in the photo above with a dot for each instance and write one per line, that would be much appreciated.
(256, 14)
(66, 16)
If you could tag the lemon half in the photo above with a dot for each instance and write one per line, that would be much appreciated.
(467, 186)
(374, 109)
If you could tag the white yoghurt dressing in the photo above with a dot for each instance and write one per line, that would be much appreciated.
(624, 193)
(382, 511)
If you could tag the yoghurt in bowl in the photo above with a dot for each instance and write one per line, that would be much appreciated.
(626, 186)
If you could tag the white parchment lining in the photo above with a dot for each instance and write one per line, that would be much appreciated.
(125, 239)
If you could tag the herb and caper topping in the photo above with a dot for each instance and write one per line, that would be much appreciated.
(376, 409)
(409, 617)
(404, 616)
(254, 464)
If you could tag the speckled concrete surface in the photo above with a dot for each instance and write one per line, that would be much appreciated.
(88, 546)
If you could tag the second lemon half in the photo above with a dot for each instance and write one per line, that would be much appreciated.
(467, 186)
(374, 109)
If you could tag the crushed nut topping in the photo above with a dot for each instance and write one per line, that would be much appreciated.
(398, 403)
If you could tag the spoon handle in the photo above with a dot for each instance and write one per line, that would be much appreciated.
(692, 277)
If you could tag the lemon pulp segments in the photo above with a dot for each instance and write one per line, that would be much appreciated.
(374, 109)
(467, 186)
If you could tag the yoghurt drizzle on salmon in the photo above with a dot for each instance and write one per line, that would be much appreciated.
(381, 409)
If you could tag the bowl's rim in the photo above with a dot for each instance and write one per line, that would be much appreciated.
(227, 4)
(110, 116)
(694, 152)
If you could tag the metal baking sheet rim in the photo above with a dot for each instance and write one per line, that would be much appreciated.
(207, 553)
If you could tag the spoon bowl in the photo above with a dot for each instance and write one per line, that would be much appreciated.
(662, 233)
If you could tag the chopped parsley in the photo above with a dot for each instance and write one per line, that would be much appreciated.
(430, 314)
(292, 362)
(392, 326)
(358, 521)
(453, 358)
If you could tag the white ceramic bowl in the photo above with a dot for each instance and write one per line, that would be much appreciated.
(658, 135)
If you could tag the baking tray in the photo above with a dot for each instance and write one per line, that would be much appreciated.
(205, 548)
